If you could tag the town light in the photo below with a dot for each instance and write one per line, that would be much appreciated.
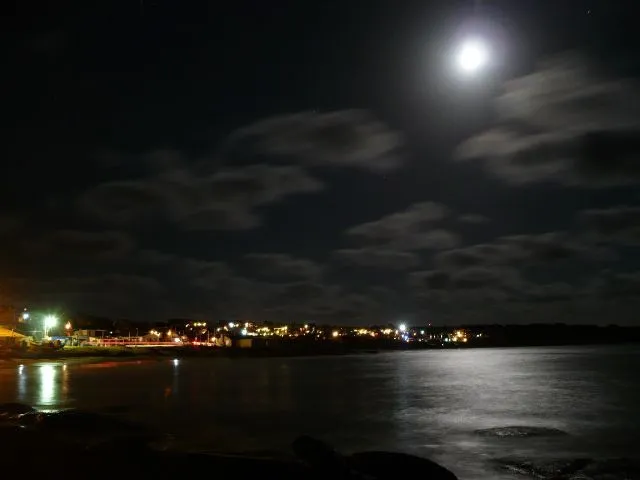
(402, 327)
(49, 322)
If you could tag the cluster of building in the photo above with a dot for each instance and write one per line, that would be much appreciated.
(43, 327)
(22, 328)
(247, 334)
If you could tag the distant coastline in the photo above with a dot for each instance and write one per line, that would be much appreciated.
(495, 336)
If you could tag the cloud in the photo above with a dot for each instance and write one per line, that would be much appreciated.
(108, 245)
(472, 278)
(475, 255)
(345, 138)
(477, 287)
(500, 294)
(306, 299)
(280, 265)
(552, 292)
(123, 202)
(322, 303)
(612, 285)
(486, 277)
(619, 224)
(10, 224)
(114, 283)
(226, 200)
(112, 294)
(531, 249)
(306, 292)
(152, 161)
(198, 286)
(431, 279)
(473, 218)
(564, 123)
(261, 184)
(552, 247)
(184, 270)
(231, 196)
(221, 218)
(357, 307)
(377, 258)
(411, 220)
(408, 230)
(439, 239)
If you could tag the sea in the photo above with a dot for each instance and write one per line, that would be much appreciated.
(456, 407)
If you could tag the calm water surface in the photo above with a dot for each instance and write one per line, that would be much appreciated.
(428, 402)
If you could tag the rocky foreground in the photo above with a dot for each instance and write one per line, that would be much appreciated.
(571, 469)
(78, 444)
(557, 469)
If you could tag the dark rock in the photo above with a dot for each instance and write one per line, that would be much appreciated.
(318, 455)
(116, 409)
(80, 442)
(92, 430)
(13, 411)
(573, 469)
(389, 465)
(55, 446)
(542, 468)
(614, 468)
(375, 465)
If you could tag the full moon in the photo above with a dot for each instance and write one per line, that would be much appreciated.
(472, 56)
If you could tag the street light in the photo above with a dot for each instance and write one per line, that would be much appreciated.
(50, 321)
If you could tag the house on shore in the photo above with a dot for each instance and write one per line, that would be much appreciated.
(11, 338)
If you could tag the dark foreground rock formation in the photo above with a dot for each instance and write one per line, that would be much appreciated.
(77, 444)
(572, 469)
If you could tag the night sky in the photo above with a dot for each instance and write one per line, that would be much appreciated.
(323, 161)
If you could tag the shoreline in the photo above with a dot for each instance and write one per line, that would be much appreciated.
(160, 353)
(99, 354)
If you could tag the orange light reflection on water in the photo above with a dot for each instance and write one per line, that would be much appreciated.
(112, 364)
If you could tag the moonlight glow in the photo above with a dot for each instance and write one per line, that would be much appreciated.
(472, 56)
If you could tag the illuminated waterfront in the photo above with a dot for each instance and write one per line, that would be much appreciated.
(427, 402)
